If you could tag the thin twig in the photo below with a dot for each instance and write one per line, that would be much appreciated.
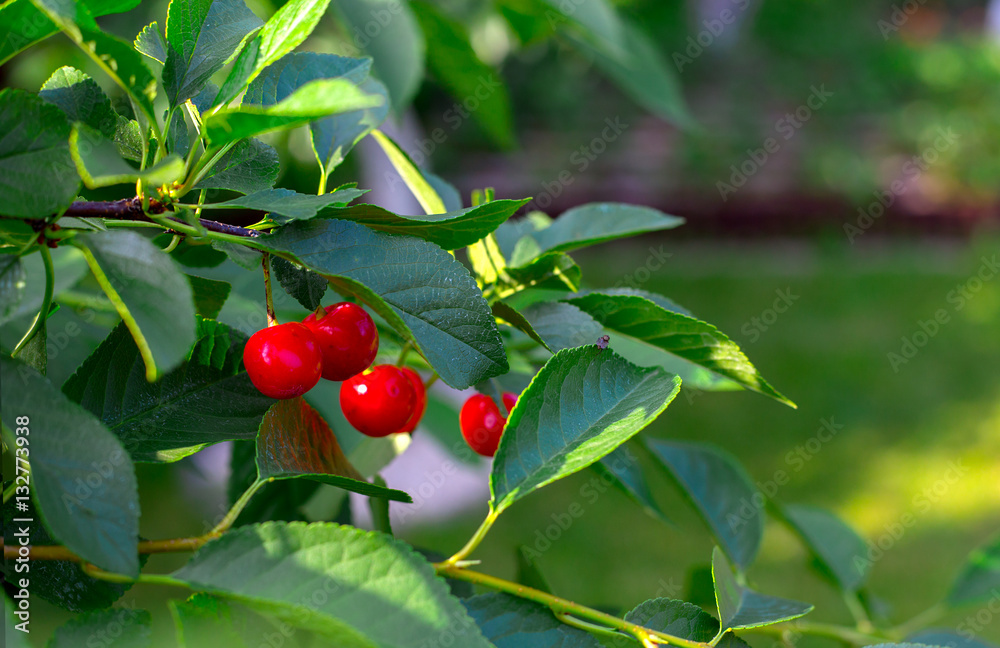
(131, 209)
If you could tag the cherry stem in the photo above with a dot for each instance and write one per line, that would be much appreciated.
(405, 351)
(268, 300)
(474, 541)
(567, 611)
(430, 381)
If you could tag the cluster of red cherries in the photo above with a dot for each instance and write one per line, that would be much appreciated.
(287, 360)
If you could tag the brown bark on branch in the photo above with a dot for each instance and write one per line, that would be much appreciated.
(131, 209)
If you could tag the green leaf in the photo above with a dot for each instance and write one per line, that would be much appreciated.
(310, 102)
(12, 282)
(22, 24)
(37, 178)
(622, 468)
(506, 314)
(643, 74)
(305, 286)
(511, 622)
(114, 56)
(838, 547)
(452, 60)
(681, 619)
(100, 164)
(435, 303)
(598, 19)
(555, 271)
(34, 353)
(901, 644)
(248, 167)
(178, 140)
(115, 628)
(425, 194)
(82, 478)
(201, 36)
(695, 376)
(81, 99)
(205, 621)
(149, 292)
(60, 582)
(285, 205)
(589, 225)
(741, 607)
(562, 326)
(377, 591)
(281, 34)
(946, 639)
(450, 230)
(295, 441)
(681, 335)
(722, 493)
(128, 139)
(528, 572)
(150, 43)
(206, 400)
(280, 80)
(15, 636)
(209, 295)
(332, 137)
(583, 404)
(388, 32)
(980, 577)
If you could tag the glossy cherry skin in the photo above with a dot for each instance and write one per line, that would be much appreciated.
(283, 361)
(378, 402)
(421, 404)
(347, 338)
(482, 423)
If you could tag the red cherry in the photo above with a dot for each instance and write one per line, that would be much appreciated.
(379, 401)
(421, 403)
(482, 423)
(283, 361)
(348, 339)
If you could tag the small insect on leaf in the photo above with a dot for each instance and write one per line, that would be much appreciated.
(602, 342)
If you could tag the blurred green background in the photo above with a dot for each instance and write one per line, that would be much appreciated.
(857, 297)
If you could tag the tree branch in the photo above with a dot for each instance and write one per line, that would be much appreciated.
(131, 209)
(58, 552)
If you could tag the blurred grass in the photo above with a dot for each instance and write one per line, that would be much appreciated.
(828, 352)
